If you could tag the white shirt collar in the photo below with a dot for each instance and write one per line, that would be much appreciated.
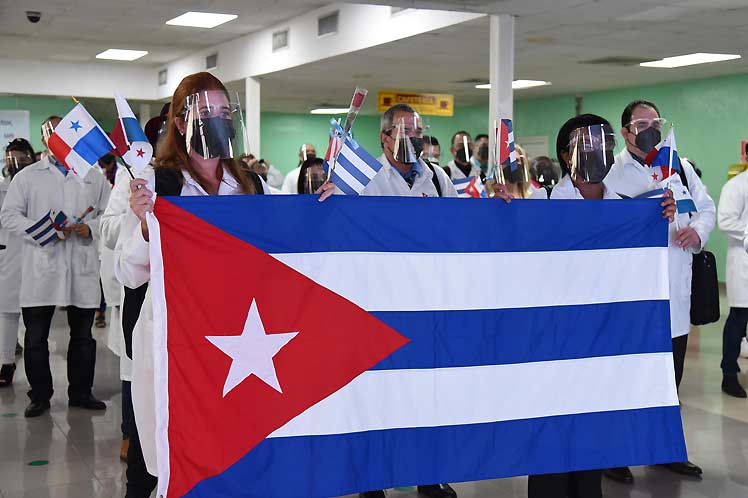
(228, 184)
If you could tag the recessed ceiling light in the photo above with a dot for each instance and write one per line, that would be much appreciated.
(329, 110)
(518, 84)
(119, 54)
(201, 19)
(689, 60)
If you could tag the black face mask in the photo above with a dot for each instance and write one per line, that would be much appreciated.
(417, 145)
(483, 153)
(462, 156)
(594, 166)
(647, 139)
(218, 133)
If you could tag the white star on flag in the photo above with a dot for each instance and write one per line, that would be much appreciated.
(251, 352)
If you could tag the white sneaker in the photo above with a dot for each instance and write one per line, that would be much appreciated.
(744, 348)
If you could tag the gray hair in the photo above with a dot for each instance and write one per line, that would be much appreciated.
(389, 114)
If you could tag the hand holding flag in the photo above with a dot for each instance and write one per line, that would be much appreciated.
(78, 141)
(129, 139)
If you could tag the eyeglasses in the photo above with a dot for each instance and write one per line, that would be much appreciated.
(409, 132)
(640, 125)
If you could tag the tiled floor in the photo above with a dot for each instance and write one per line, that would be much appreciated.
(82, 448)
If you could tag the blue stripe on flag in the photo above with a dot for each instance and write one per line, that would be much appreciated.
(323, 466)
(43, 233)
(93, 145)
(686, 206)
(295, 224)
(439, 339)
(38, 224)
(658, 192)
(53, 237)
(133, 131)
(345, 163)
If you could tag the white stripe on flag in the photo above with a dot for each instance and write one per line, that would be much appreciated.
(384, 399)
(77, 164)
(359, 163)
(505, 280)
(349, 179)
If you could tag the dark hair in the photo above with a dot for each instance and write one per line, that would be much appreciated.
(312, 161)
(461, 132)
(629, 110)
(481, 136)
(53, 116)
(428, 139)
(562, 140)
(153, 126)
(21, 145)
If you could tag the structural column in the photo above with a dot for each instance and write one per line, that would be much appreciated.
(144, 112)
(252, 115)
(501, 73)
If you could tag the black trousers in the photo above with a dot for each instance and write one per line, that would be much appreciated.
(582, 484)
(81, 357)
(732, 334)
(140, 484)
(679, 356)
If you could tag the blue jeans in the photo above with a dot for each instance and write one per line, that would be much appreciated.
(731, 336)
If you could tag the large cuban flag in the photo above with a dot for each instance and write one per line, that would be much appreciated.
(330, 348)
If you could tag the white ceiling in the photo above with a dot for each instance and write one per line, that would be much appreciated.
(553, 38)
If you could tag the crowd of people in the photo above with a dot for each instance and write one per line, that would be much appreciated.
(102, 254)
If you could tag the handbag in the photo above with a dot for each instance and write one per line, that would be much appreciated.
(704, 289)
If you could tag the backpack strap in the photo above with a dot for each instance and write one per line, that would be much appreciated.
(434, 178)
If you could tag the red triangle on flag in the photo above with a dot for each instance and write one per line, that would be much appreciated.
(210, 280)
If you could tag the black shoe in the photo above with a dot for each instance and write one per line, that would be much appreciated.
(437, 491)
(36, 408)
(6, 374)
(619, 474)
(371, 494)
(684, 468)
(732, 387)
(89, 403)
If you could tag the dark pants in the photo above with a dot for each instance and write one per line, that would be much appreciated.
(680, 344)
(127, 410)
(140, 483)
(732, 334)
(81, 358)
(582, 484)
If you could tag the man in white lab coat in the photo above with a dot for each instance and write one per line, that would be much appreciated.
(408, 176)
(630, 176)
(62, 273)
(461, 166)
(733, 221)
(290, 183)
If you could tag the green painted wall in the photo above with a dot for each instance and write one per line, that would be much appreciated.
(710, 118)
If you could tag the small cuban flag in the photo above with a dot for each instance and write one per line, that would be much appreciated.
(129, 139)
(79, 142)
(49, 228)
(470, 187)
(662, 157)
(355, 167)
(507, 154)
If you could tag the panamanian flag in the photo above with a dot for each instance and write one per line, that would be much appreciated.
(78, 141)
(129, 139)
(337, 347)
(662, 157)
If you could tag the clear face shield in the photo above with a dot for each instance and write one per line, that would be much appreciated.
(211, 122)
(408, 134)
(314, 177)
(48, 128)
(592, 153)
(15, 161)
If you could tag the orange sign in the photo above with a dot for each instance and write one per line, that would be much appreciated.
(429, 104)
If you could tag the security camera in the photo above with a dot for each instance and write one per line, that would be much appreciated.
(34, 16)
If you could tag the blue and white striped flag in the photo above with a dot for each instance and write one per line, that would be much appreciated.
(517, 369)
(355, 166)
(461, 186)
(46, 230)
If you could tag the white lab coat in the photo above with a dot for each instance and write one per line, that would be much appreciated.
(732, 217)
(455, 173)
(389, 181)
(65, 273)
(565, 189)
(132, 267)
(11, 259)
(291, 182)
(631, 178)
(275, 177)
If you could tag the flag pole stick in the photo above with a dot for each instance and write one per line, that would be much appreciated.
(670, 160)
(74, 99)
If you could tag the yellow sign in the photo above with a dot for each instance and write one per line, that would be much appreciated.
(430, 104)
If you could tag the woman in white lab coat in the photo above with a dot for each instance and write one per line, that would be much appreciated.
(585, 151)
(18, 154)
(61, 273)
(200, 166)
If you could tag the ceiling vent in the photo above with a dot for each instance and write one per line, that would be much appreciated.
(211, 61)
(327, 25)
(280, 39)
(618, 61)
(162, 77)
